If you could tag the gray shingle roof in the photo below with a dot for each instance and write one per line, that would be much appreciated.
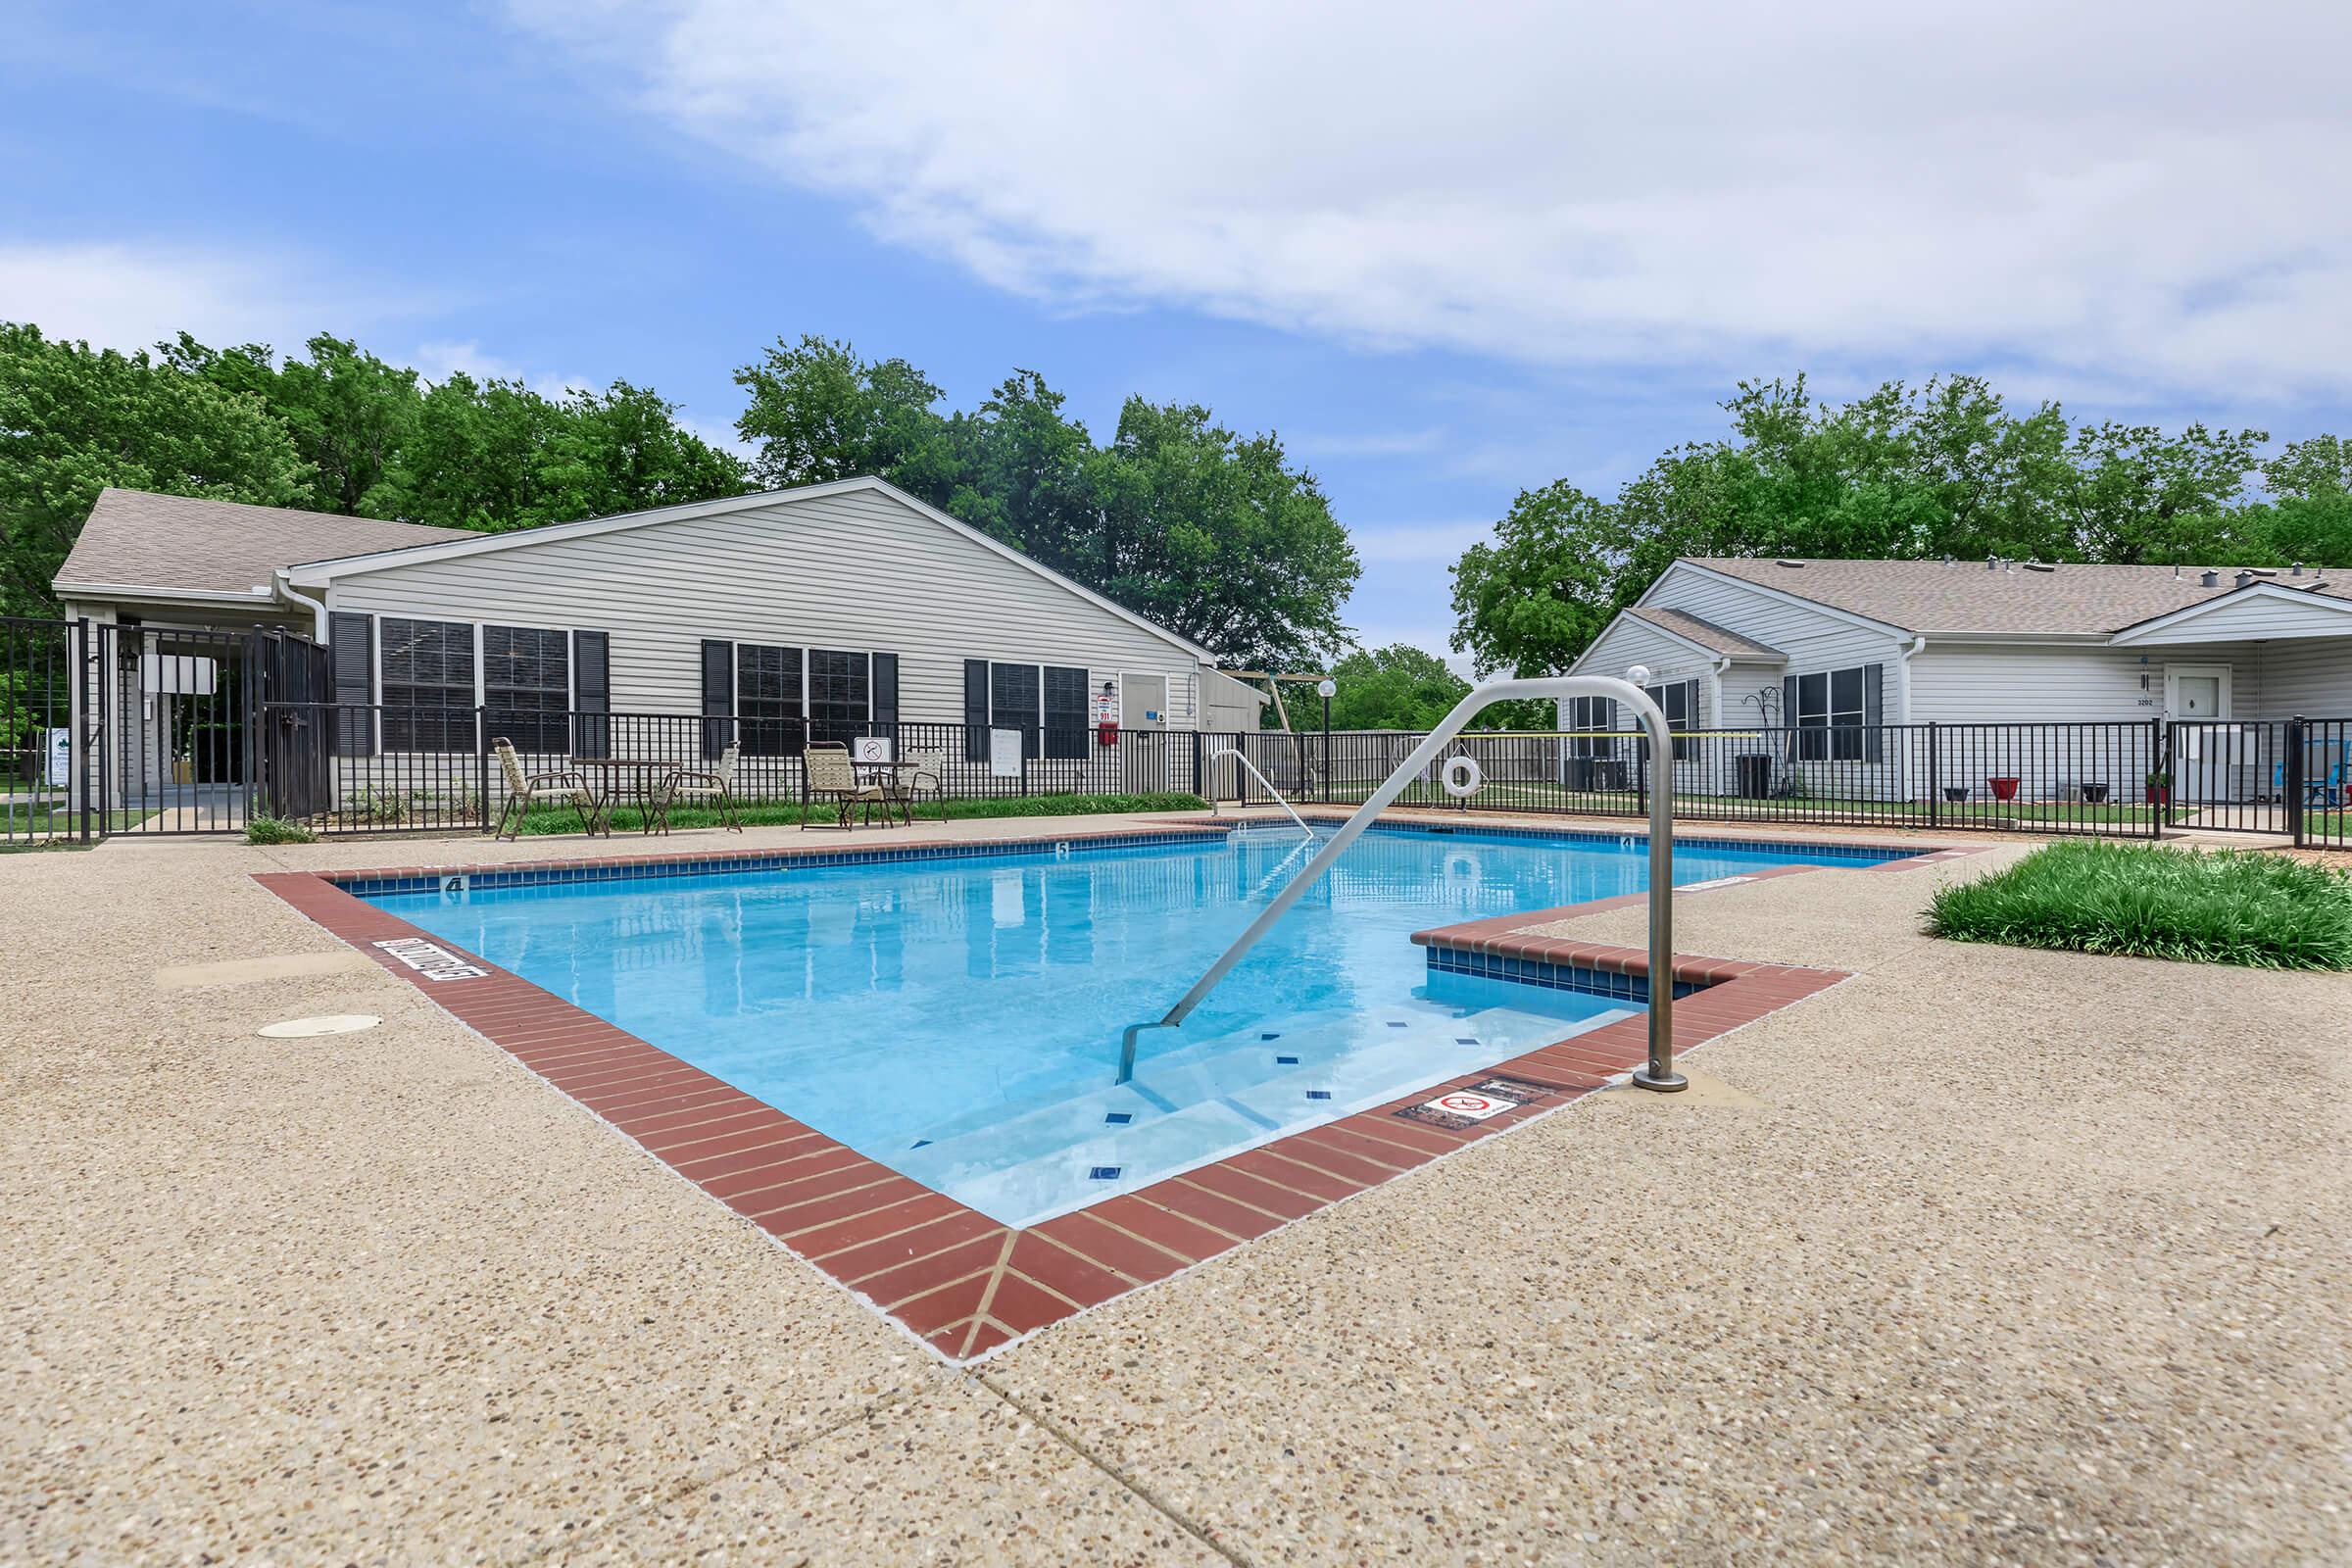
(1932, 596)
(1705, 633)
(137, 540)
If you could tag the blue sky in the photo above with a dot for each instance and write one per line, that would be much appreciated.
(1446, 263)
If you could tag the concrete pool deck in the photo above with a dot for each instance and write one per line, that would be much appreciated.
(1982, 1255)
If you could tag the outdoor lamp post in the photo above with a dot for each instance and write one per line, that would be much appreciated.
(1326, 688)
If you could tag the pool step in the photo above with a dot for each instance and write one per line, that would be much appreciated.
(1213, 1098)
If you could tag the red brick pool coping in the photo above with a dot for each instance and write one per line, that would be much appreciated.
(962, 1283)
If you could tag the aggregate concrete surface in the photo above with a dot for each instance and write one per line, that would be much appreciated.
(1982, 1255)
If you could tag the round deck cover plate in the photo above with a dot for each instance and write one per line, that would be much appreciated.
(338, 1023)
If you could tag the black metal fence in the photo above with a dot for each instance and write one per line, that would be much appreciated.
(37, 758)
(407, 769)
(196, 732)
(2114, 779)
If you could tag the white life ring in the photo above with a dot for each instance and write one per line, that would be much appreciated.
(1461, 778)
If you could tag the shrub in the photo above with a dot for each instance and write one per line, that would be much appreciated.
(277, 830)
(2241, 907)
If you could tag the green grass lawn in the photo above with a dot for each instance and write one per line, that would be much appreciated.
(2239, 907)
(629, 818)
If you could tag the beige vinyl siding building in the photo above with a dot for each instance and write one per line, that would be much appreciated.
(821, 613)
(1852, 646)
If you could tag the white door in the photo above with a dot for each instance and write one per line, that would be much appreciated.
(2205, 745)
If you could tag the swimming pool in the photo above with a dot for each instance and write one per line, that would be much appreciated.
(958, 1017)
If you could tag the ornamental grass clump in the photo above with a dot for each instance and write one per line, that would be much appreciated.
(2241, 907)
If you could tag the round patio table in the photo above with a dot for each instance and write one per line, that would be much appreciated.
(887, 774)
(615, 780)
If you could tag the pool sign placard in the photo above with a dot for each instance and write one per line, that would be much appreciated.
(1468, 1106)
(430, 960)
(1457, 1108)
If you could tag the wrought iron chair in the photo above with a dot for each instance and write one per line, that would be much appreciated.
(525, 791)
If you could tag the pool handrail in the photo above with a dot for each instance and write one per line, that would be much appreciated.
(1236, 753)
(1658, 1073)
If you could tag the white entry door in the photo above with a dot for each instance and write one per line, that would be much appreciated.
(2205, 745)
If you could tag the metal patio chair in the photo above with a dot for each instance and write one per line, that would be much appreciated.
(689, 785)
(831, 779)
(929, 772)
(525, 791)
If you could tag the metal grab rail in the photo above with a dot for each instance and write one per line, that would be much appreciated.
(1234, 752)
(1659, 1073)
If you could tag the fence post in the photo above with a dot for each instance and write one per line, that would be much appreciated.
(481, 766)
(1642, 780)
(1934, 778)
(2160, 754)
(1197, 780)
(2292, 794)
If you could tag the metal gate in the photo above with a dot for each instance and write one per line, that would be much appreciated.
(177, 731)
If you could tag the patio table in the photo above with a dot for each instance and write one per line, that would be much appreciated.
(887, 774)
(614, 780)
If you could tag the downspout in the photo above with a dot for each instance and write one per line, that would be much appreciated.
(281, 588)
(1903, 670)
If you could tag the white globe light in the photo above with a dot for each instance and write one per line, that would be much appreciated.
(1638, 674)
(1327, 688)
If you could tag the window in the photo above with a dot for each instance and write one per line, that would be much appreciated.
(1836, 713)
(1013, 698)
(1065, 713)
(428, 685)
(1588, 714)
(767, 699)
(526, 688)
(839, 694)
(1047, 702)
(1678, 701)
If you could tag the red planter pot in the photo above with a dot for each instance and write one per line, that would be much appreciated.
(2003, 789)
(2160, 795)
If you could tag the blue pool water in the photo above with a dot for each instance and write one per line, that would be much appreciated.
(959, 1018)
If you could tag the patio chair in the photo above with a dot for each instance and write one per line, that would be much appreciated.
(525, 791)
(831, 779)
(716, 785)
(929, 772)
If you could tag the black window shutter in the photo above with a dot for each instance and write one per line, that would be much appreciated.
(718, 695)
(351, 640)
(1065, 713)
(886, 693)
(1788, 710)
(591, 694)
(1874, 745)
(975, 710)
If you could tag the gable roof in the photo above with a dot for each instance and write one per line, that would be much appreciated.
(318, 571)
(1962, 596)
(1705, 633)
(153, 544)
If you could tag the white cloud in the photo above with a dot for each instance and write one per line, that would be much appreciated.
(131, 296)
(2124, 190)
(1408, 541)
(437, 361)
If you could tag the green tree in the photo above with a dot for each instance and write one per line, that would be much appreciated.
(1397, 687)
(820, 412)
(75, 421)
(348, 412)
(1211, 533)
(1902, 472)
(1551, 579)
(622, 450)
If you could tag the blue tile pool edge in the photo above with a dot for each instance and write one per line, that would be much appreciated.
(364, 884)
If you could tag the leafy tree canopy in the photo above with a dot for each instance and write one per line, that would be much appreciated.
(1208, 532)
(1905, 472)
(332, 429)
